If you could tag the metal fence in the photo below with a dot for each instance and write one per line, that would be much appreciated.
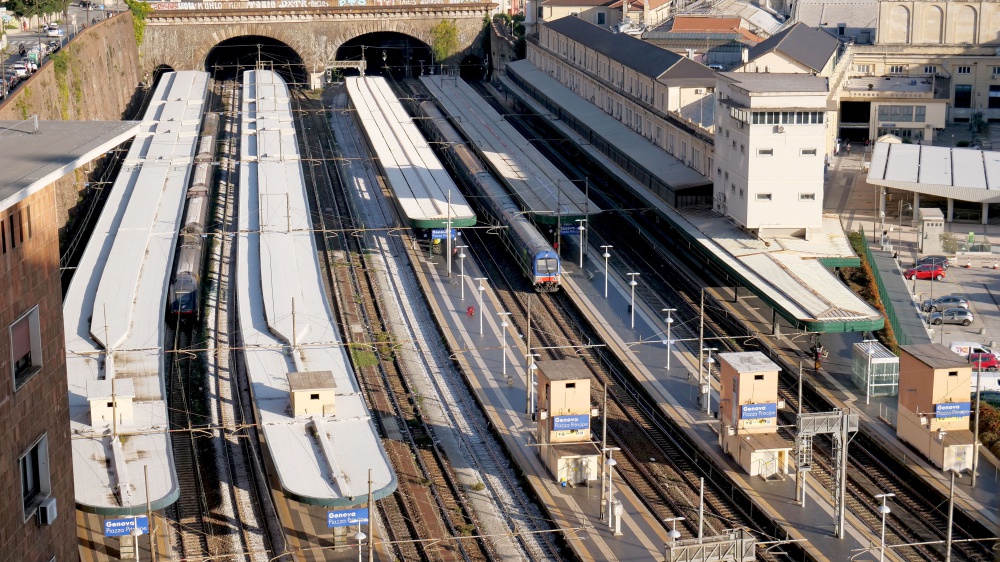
(883, 293)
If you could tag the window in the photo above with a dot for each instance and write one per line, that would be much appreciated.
(27, 214)
(763, 196)
(765, 152)
(732, 188)
(995, 70)
(963, 98)
(919, 113)
(994, 100)
(841, 29)
(35, 485)
(807, 152)
(807, 197)
(314, 396)
(25, 347)
(952, 373)
(964, 70)
(3, 236)
(601, 18)
(13, 244)
(930, 69)
(741, 193)
(758, 377)
(743, 149)
(734, 145)
(897, 69)
(863, 68)
(684, 150)
(571, 385)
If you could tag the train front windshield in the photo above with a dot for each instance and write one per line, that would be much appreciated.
(547, 266)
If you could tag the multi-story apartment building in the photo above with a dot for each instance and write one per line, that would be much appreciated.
(663, 96)
(36, 467)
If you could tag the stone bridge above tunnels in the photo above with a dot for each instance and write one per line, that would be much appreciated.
(183, 35)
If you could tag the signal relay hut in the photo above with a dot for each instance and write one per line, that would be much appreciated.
(564, 413)
(312, 393)
(934, 405)
(748, 412)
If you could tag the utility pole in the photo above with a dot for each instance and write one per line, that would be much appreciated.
(149, 517)
(447, 234)
(701, 339)
(371, 518)
(951, 513)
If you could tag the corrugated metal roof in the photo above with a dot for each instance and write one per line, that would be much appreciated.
(966, 174)
(800, 42)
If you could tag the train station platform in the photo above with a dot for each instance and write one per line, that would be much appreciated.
(790, 275)
(574, 510)
(676, 390)
(423, 190)
(537, 184)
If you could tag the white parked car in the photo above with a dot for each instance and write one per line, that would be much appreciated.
(19, 69)
(53, 30)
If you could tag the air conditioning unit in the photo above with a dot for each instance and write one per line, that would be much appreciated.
(47, 511)
(781, 129)
(699, 90)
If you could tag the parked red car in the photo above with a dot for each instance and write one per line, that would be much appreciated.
(984, 361)
(925, 271)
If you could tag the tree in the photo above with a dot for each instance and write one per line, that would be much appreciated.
(444, 40)
(23, 8)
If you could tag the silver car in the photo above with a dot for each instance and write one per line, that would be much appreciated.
(944, 303)
(952, 316)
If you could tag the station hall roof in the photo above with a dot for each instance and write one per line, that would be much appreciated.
(967, 174)
(809, 46)
(642, 57)
(32, 159)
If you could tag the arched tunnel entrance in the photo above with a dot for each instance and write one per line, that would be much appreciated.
(387, 53)
(231, 57)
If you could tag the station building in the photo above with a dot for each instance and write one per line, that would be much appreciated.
(564, 412)
(748, 413)
(934, 405)
(665, 97)
(37, 520)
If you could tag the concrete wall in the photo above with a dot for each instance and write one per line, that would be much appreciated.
(951, 22)
(99, 81)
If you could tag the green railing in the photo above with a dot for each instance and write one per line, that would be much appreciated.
(890, 311)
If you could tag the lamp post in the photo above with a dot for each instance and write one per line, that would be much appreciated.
(669, 320)
(631, 307)
(359, 536)
(884, 510)
(607, 255)
(461, 266)
(611, 492)
(529, 389)
(581, 228)
(503, 333)
(708, 379)
(674, 534)
(482, 311)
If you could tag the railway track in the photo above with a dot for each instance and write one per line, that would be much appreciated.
(656, 460)
(225, 510)
(642, 243)
(428, 503)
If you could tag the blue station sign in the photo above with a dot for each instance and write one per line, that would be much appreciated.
(569, 230)
(442, 233)
(567, 423)
(123, 527)
(758, 411)
(953, 410)
(346, 517)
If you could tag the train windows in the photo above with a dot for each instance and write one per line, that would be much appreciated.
(547, 265)
(26, 347)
